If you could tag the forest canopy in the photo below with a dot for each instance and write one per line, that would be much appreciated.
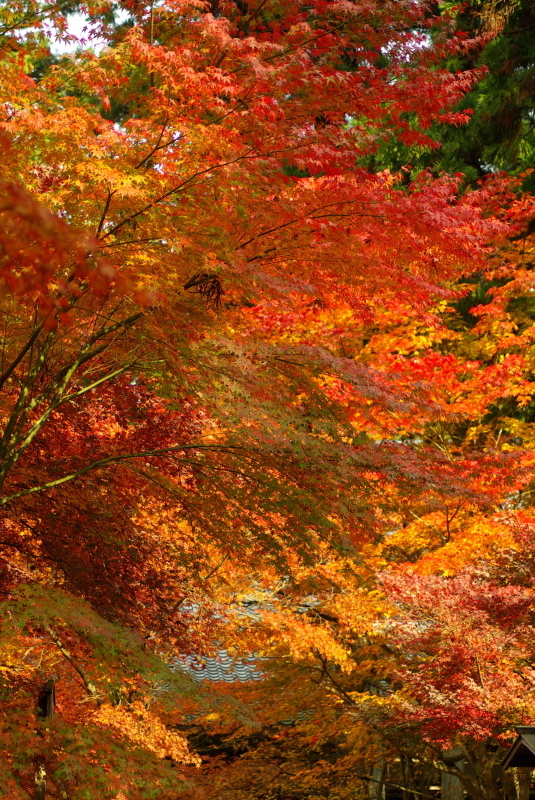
(266, 399)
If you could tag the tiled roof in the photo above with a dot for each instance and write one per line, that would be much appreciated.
(220, 667)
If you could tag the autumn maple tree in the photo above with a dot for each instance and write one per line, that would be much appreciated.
(191, 247)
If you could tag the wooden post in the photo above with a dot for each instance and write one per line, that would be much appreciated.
(451, 787)
(45, 710)
(522, 780)
(40, 783)
(376, 788)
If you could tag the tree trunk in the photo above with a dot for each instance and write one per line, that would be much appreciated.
(376, 787)
(40, 783)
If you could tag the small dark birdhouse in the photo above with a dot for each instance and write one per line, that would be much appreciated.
(522, 753)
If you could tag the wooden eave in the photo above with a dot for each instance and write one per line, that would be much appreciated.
(522, 753)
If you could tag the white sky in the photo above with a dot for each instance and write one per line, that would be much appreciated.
(76, 24)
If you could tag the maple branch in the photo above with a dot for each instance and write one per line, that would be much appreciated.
(39, 424)
(58, 386)
(27, 19)
(151, 37)
(188, 182)
(85, 355)
(480, 676)
(18, 409)
(159, 146)
(203, 580)
(240, 104)
(395, 785)
(14, 364)
(176, 189)
(90, 687)
(460, 504)
(247, 18)
(428, 525)
(334, 682)
(257, 10)
(21, 550)
(443, 764)
(230, 497)
(187, 506)
(309, 215)
(215, 569)
(231, 500)
(106, 207)
(131, 241)
(298, 46)
(104, 462)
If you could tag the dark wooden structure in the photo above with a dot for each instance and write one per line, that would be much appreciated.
(47, 699)
(522, 753)
(45, 710)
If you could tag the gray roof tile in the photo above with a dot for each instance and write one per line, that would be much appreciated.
(220, 667)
